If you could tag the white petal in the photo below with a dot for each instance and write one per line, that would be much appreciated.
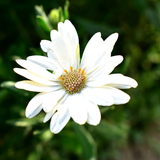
(94, 115)
(36, 69)
(119, 96)
(34, 106)
(52, 99)
(36, 111)
(75, 43)
(77, 108)
(89, 49)
(59, 103)
(50, 62)
(101, 53)
(62, 125)
(46, 45)
(52, 55)
(57, 73)
(109, 43)
(59, 119)
(98, 96)
(99, 76)
(60, 49)
(53, 122)
(69, 34)
(34, 77)
(36, 87)
(94, 61)
(49, 114)
(42, 61)
(63, 112)
(120, 81)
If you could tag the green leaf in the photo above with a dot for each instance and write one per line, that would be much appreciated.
(66, 13)
(42, 19)
(61, 17)
(42, 23)
(88, 144)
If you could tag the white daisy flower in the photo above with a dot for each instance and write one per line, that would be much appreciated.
(68, 87)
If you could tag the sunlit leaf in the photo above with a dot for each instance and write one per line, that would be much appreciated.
(61, 17)
(43, 24)
(66, 13)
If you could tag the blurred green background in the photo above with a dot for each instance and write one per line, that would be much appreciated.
(126, 132)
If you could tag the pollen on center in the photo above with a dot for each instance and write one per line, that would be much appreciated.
(73, 81)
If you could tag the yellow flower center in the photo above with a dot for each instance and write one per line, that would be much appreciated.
(73, 81)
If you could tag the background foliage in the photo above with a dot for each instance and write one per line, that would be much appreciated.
(127, 131)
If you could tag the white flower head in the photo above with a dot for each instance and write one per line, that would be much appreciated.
(68, 87)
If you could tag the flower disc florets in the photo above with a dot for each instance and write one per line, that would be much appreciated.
(73, 81)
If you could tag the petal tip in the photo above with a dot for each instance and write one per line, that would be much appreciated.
(95, 124)
(115, 36)
(135, 84)
(127, 99)
(19, 60)
(27, 114)
(68, 21)
(44, 120)
(15, 69)
(17, 85)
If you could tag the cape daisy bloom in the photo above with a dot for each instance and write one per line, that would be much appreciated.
(70, 88)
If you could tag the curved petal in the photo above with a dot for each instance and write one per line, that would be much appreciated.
(36, 87)
(52, 99)
(59, 119)
(98, 77)
(119, 96)
(46, 45)
(101, 53)
(59, 104)
(36, 69)
(77, 108)
(94, 115)
(36, 111)
(60, 49)
(69, 34)
(49, 114)
(94, 61)
(34, 106)
(89, 49)
(42, 61)
(53, 122)
(109, 43)
(98, 96)
(120, 81)
(55, 60)
(34, 77)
